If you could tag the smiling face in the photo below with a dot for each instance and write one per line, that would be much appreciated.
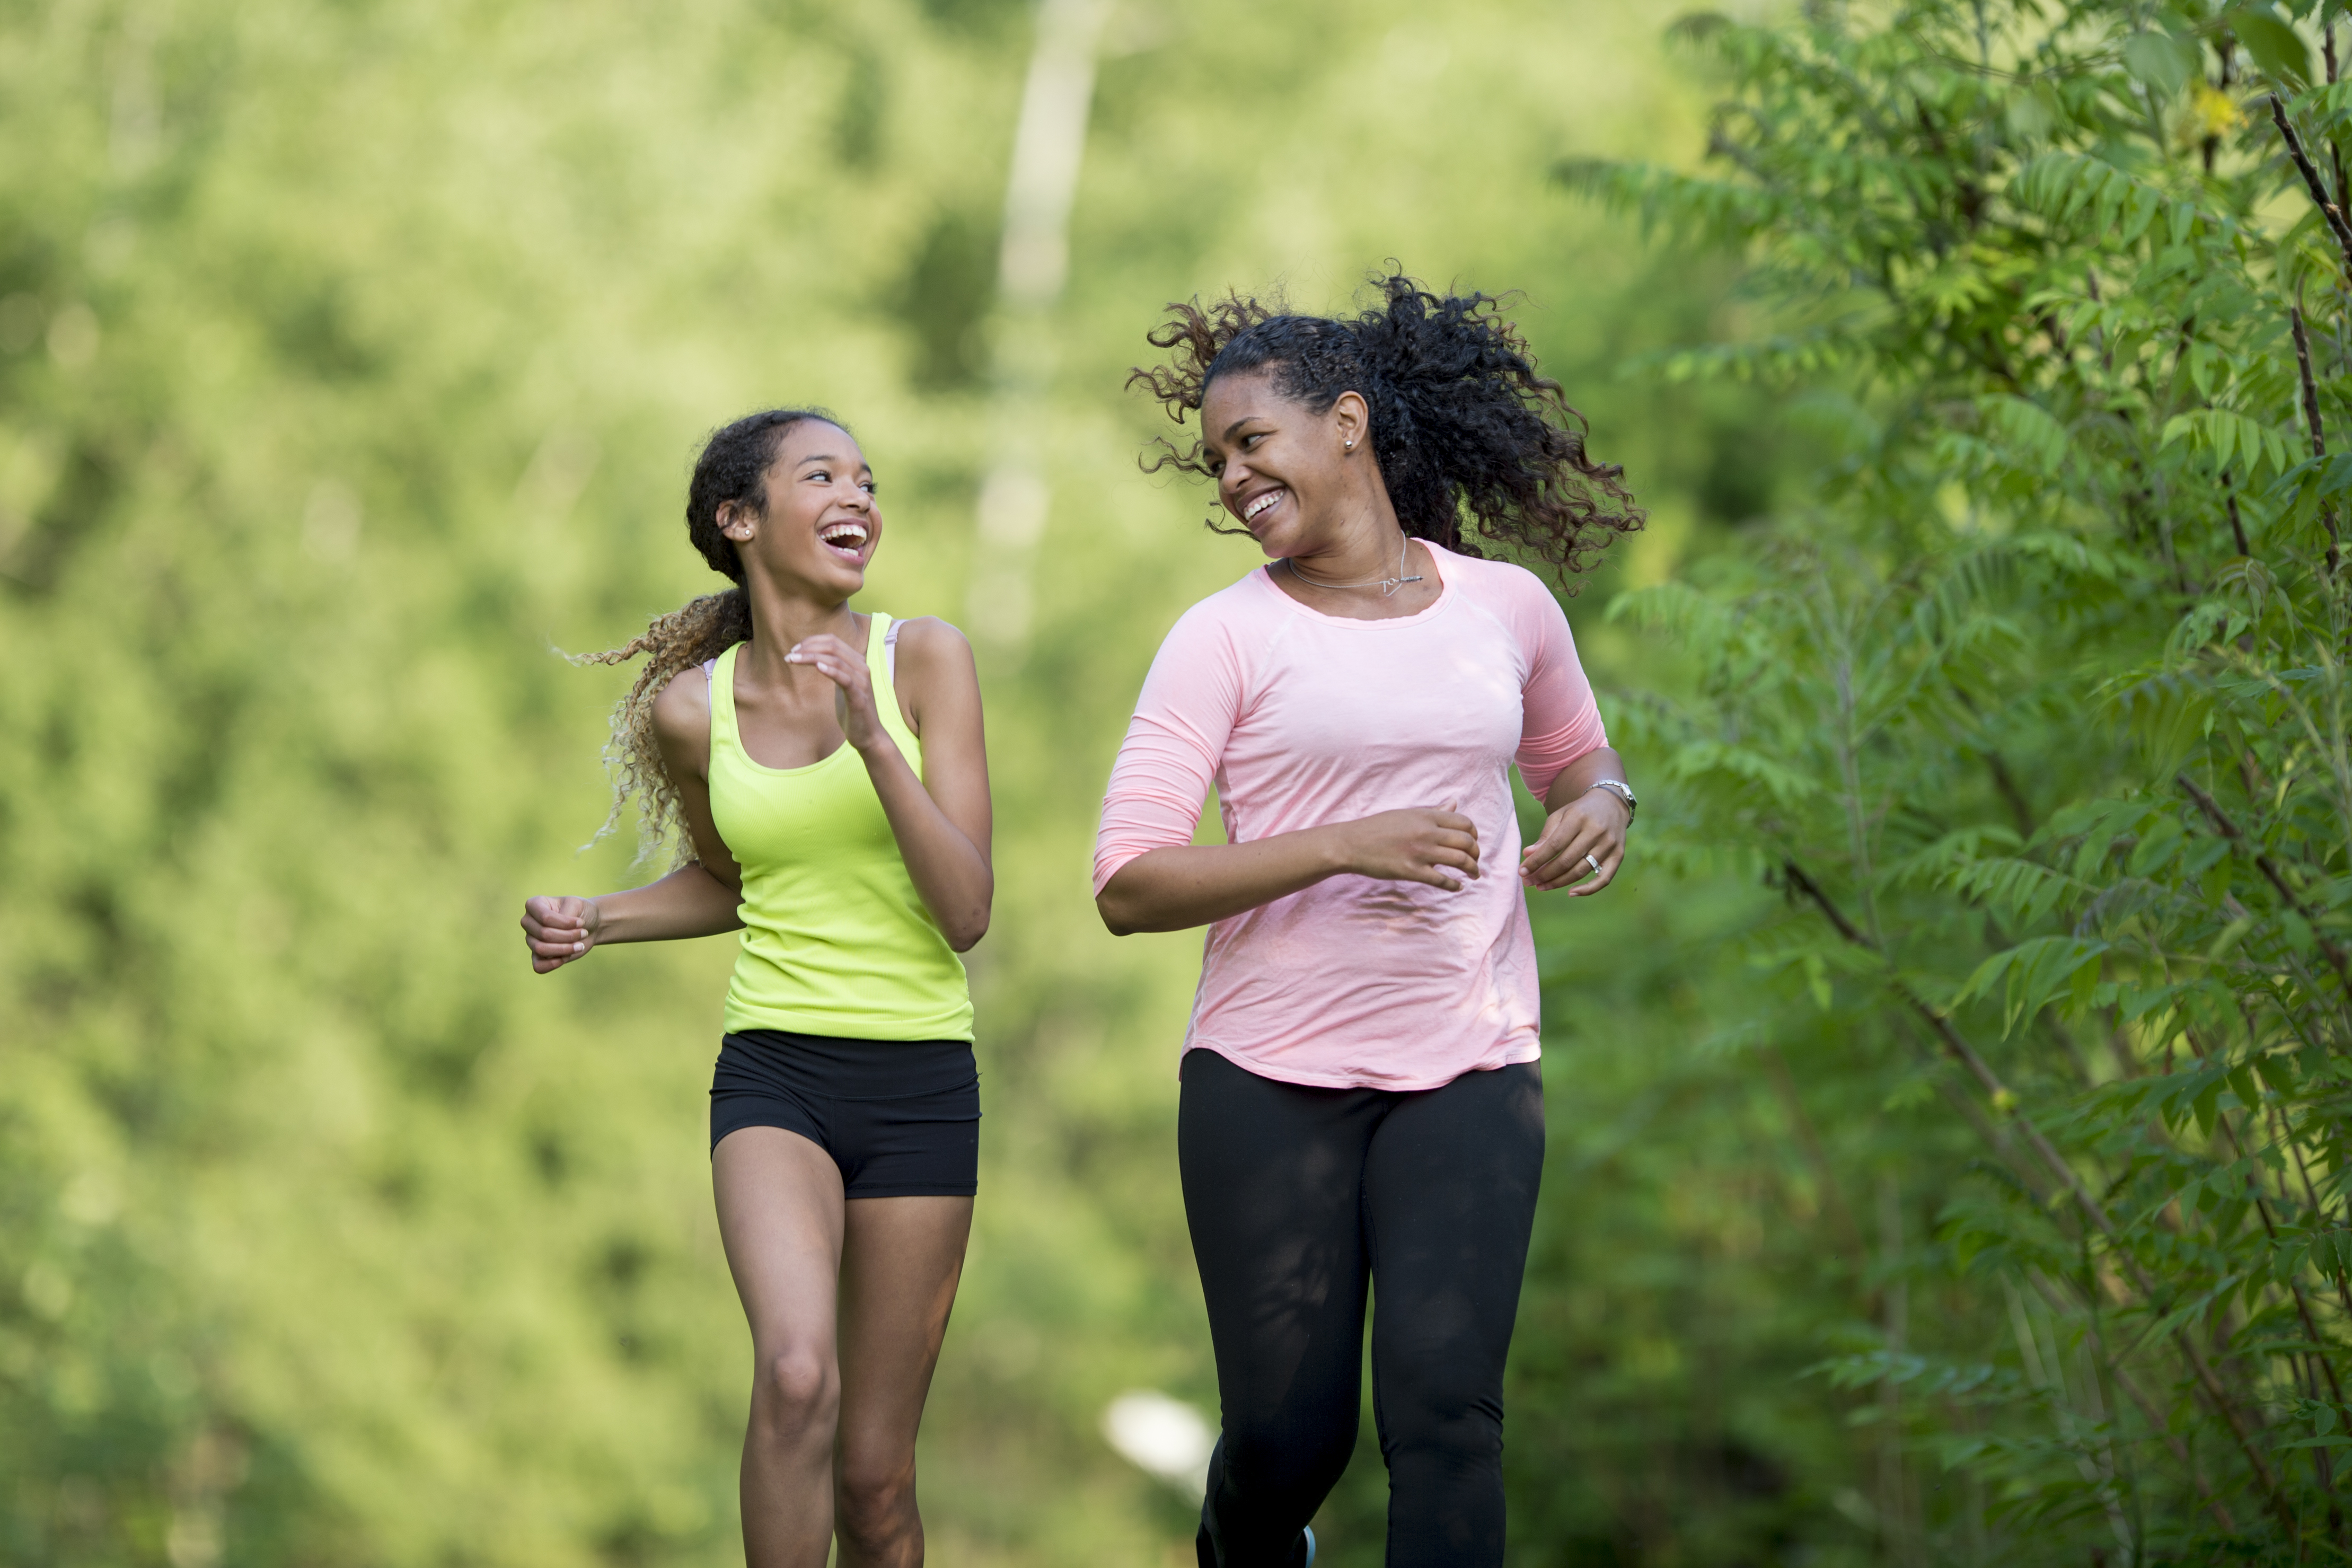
(1294, 478)
(821, 523)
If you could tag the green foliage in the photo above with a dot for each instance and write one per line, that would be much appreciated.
(2036, 716)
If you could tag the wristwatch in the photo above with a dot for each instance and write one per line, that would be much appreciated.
(1622, 790)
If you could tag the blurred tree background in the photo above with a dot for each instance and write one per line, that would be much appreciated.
(351, 361)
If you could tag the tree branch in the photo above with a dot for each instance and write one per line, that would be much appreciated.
(2311, 178)
(2269, 869)
(2318, 433)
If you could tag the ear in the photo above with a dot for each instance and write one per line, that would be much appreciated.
(1351, 421)
(737, 522)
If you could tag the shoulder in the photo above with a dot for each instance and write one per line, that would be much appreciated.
(932, 651)
(1498, 582)
(1225, 613)
(682, 710)
(928, 639)
(1510, 592)
(934, 671)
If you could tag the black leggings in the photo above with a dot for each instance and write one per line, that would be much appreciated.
(1296, 1197)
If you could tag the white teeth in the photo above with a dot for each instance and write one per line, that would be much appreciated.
(848, 535)
(1260, 504)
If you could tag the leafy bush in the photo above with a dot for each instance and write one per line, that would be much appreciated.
(2037, 715)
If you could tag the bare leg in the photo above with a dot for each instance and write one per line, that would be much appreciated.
(780, 1217)
(899, 1270)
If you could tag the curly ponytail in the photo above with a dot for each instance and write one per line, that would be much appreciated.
(733, 466)
(1460, 417)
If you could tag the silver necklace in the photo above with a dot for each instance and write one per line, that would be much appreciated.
(1386, 585)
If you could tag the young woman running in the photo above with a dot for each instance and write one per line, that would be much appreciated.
(1360, 1101)
(828, 769)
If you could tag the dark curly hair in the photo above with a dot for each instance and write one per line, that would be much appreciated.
(732, 467)
(1460, 419)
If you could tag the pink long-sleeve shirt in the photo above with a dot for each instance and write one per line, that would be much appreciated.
(1301, 719)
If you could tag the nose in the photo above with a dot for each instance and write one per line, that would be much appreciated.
(1230, 482)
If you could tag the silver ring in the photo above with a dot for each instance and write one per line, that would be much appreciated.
(1594, 864)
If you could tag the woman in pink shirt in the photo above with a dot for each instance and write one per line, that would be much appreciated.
(1360, 1097)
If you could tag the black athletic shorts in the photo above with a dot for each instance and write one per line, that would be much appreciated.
(901, 1117)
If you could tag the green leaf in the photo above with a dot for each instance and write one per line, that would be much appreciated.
(2084, 986)
(2162, 61)
(2298, 933)
(2222, 435)
(2277, 48)
(2035, 112)
(1914, 1089)
(2033, 439)
(2227, 435)
(2155, 850)
(2035, 971)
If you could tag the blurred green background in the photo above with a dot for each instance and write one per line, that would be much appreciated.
(352, 357)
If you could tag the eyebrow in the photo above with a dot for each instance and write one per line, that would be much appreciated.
(1237, 425)
(829, 458)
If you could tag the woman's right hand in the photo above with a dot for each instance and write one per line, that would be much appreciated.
(1178, 886)
(559, 930)
(1438, 848)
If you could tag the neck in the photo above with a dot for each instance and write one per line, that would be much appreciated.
(1367, 545)
(784, 615)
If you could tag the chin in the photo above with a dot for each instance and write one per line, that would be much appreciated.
(835, 583)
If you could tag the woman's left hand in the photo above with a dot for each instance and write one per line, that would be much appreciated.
(1592, 825)
(853, 684)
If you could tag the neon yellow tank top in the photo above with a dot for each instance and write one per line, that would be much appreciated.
(835, 939)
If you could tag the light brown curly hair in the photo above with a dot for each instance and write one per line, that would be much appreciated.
(733, 466)
(1460, 419)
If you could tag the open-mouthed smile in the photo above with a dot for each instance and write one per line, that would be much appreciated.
(847, 537)
(1263, 503)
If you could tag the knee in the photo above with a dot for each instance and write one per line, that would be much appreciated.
(798, 1393)
(874, 1498)
(1428, 1410)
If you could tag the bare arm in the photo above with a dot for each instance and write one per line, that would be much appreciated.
(941, 820)
(1195, 884)
(690, 901)
(700, 899)
(1579, 821)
